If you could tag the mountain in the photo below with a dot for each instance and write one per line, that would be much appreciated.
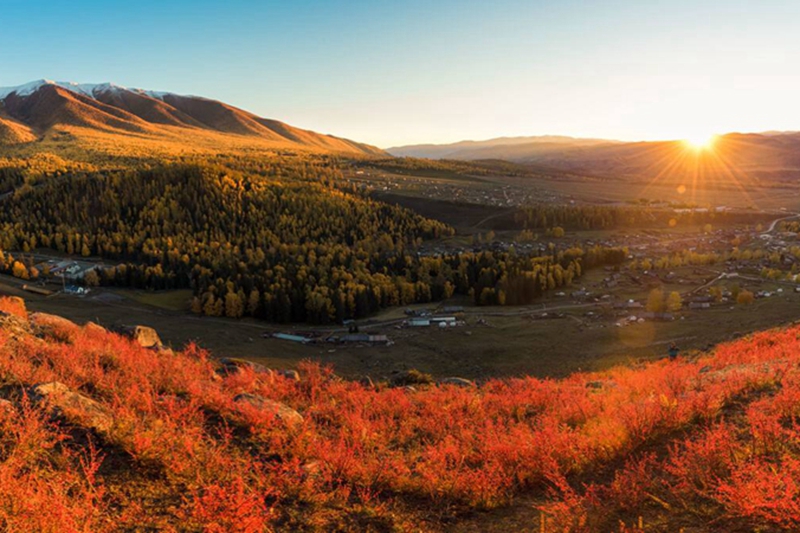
(743, 156)
(46, 109)
(499, 148)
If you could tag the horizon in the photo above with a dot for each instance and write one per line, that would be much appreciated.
(75, 86)
(411, 74)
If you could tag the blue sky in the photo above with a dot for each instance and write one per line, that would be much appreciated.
(389, 72)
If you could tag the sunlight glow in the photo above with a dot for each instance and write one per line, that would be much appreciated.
(701, 141)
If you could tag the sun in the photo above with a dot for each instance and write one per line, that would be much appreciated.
(701, 141)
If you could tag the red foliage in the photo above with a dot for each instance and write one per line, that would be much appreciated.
(238, 468)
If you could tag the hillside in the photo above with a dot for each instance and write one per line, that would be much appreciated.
(741, 159)
(116, 432)
(100, 116)
(499, 148)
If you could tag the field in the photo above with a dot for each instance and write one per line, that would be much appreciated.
(508, 342)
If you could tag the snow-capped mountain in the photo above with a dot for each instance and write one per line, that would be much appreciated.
(32, 110)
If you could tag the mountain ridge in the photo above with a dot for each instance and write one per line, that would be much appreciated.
(44, 108)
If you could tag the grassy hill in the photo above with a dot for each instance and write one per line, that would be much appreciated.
(111, 432)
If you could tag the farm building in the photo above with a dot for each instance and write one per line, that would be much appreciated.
(75, 289)
(292, 338)
(364, 338)
(448, 321)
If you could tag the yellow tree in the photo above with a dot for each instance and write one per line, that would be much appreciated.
(655, 301)
(674, 302)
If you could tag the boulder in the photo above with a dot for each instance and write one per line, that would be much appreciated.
(411, 377)
(73, 406)
(145, 336)
(459, 382)
(311, 469)
(292, 375)
(232, 365)
(13, 305)
(281, 411)
(17, 326)
(94, 328)
(54, 327)
(6, 406)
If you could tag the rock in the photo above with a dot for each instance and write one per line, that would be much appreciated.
(14, 305)
(705, 370)
(411, 377)
(311, 469)
(281, 411)
(231, 365)
(73, 406)
(366, 381)
(53, 326)
(145, 336)
(460, 382)
(94, 328)
(15, 325)
(293, 375)
(6, 406)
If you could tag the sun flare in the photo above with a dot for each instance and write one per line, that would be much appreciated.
(701, 141)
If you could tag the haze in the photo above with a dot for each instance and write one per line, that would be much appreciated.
(392, 73)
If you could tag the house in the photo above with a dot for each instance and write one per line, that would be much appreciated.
(446, 320)
(364, 338)
(418, 322)
(75, 289)
(292, 338)
(699, 305)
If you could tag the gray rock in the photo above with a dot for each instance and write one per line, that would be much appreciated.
(73, 406)
(281, 411)
(53, 326)
(293, 375)
(460, 382)
(232, 365)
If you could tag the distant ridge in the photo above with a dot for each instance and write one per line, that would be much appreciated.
(497, 148)
(735, 159)
(36, 109)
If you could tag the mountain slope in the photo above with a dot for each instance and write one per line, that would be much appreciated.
(118, 432)
(490, 149)
(45, 109)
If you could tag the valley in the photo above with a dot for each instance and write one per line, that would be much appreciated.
(298, 272)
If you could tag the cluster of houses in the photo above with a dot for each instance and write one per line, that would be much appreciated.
(69, 269)
(444, 317)
(350, 338)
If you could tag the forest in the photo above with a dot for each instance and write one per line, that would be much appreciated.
(286, 240)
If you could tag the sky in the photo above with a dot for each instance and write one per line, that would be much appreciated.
(394, 72)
